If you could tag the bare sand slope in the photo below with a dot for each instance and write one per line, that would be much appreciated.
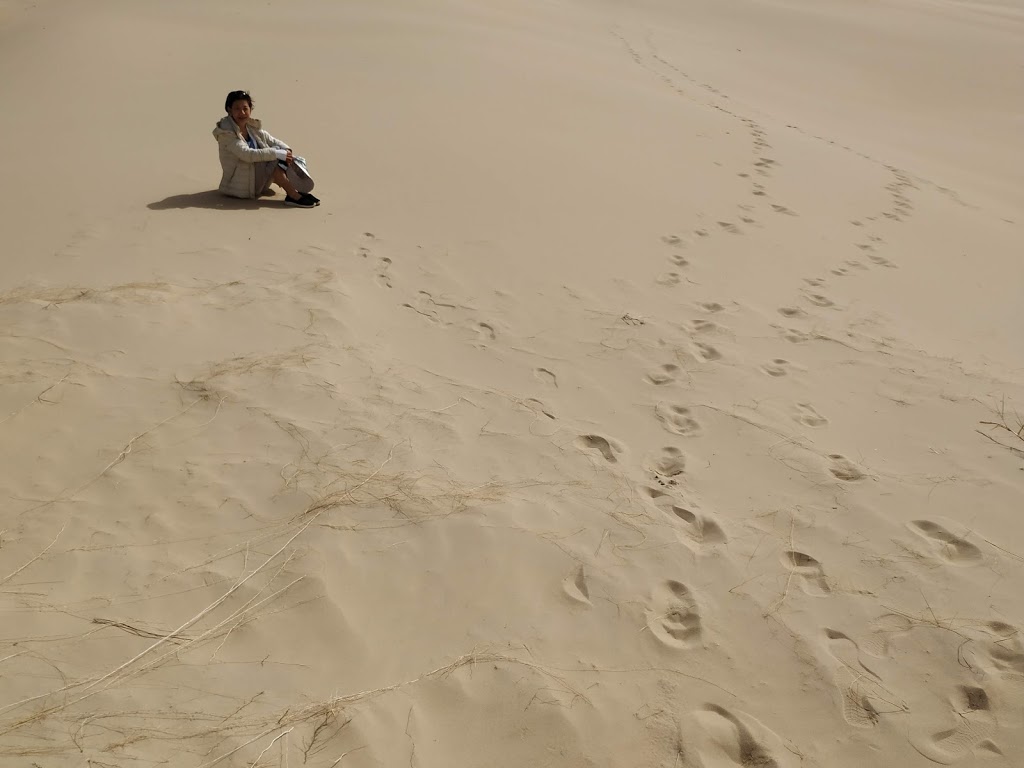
(624, 403)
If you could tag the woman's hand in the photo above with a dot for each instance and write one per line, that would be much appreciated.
(289, 158)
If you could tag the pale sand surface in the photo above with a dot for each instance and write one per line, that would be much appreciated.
(620, 406)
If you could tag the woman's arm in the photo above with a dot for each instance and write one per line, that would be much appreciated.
(272, 141)
(237, 147)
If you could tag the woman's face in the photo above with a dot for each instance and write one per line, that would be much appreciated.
(240, 111)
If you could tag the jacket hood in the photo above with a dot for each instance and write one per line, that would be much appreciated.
(227, 126)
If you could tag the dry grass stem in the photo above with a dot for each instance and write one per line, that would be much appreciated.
(1002, 425)
(34, 559)
(266, 749)
(63, 496)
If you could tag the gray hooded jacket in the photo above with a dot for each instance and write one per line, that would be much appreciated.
(238, 160)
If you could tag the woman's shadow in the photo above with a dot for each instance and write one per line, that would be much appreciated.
(211, 199)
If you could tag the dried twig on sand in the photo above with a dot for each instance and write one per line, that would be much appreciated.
(1012, 431)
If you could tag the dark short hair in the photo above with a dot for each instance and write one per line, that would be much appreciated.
(237, 96)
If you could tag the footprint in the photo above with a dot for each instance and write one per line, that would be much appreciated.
(777, 367)
(678, 419)
(383, 265)
(882, 261)
(705, 326)
(844, 469)
(819, 301)
(426, 312)
(708, 352)
(679, 260)
(601, 445)
(863, 697)
(429, 307)
(700, 529)
(973, 725)
(575, 586)
(806, 414)
(537, 406)
(727, 739)
(669, 278)
(1007, 650)
(729, 227)
(882, 631)
(783, 209)
(795, 336)
(711, 306)
(664, 374)
(655, 493)
(791, 312)
(673, 240)
(674, 616)
(669, 463)
(811, 574)
(486, 331)
(950, 548)
(546, 376)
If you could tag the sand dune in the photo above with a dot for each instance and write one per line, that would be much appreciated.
(645, 391)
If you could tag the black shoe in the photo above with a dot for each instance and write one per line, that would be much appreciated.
(314, 198)
(304, 201)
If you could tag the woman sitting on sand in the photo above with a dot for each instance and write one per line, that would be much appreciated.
(251, 158)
